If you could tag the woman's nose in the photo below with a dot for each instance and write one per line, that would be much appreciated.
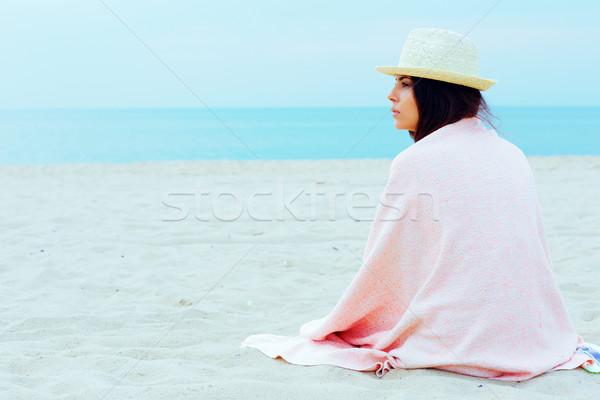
(392, 97)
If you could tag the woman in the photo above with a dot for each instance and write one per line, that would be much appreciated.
(456, 271)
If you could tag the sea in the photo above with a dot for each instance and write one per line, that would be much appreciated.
(66, 136)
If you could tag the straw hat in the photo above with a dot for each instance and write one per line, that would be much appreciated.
(442, 55)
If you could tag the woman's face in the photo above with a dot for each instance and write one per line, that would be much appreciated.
(404, 106)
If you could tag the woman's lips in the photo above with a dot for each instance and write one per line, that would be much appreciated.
(394, 113)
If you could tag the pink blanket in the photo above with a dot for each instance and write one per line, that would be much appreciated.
(456, 272)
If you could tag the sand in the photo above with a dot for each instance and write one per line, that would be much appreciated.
(124, 281)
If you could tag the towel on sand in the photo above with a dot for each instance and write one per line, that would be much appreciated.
(456, 272)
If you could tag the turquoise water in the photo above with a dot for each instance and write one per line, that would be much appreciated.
(127, 135)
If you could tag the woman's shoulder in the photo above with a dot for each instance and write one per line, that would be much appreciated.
(450, 154)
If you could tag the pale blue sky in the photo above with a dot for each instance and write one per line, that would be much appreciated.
(272, 53)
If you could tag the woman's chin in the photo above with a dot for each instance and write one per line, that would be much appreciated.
(400, 125)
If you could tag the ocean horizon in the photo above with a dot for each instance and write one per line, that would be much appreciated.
(103, 135)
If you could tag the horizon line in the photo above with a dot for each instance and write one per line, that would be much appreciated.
(262, 107)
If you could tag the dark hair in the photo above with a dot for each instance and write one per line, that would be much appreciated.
(441, 103)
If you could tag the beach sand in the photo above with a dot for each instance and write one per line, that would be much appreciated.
(141, 280)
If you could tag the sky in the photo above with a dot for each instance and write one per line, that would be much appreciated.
(189, 54)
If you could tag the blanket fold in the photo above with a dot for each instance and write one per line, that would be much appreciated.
(456, 272)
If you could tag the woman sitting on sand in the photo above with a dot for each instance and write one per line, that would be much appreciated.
(456, 272)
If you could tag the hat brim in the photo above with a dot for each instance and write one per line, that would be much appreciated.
(439, 75)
